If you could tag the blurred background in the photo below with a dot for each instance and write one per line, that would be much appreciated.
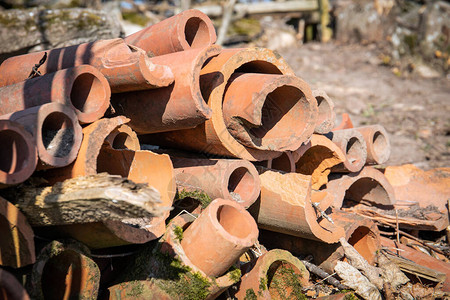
(381, 61)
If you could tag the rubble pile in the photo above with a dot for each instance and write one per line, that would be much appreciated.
(161, 166)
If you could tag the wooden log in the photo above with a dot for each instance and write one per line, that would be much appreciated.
(88, 199)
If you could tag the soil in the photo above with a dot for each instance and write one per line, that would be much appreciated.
(414, 110)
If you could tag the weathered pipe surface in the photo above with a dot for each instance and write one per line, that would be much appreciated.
(17, 238)
(326, 115)
(368, 186)
(377, 143)
(213, 136)
(184, 31)
(269, 111)
(83, 88)
(138, 290)
(178, 106)
(123, 137)
(231, 179)
(65, 271)
(18, 153)
(219, 236)
(126, 67)
(285, 162)
(277, 274)
(285, 206)
(10, 288)
(346, 123)
(317, 158)
(352, 144)
(360, 232)
(56, 131)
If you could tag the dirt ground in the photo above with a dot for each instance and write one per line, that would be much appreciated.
(414, 110)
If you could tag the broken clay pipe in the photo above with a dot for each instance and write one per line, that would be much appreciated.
(56, 132)
(269, 111)
(83, 88)
(126, 67)
(184, 31)
(377, 143)
(123, 137)
(18, 153)
(286, 205)
(352, 144)
(178, 106)
(326, 115)
(10, 288)
(17, 242)
(231, 179)
(285, 163)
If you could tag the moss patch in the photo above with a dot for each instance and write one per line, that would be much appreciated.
(135, 18)
(178, 232)
(234, 274)
(198, 195)
(136, 290)
(285, 283)
(250, 295)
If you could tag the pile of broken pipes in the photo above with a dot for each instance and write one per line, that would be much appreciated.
(87, 213)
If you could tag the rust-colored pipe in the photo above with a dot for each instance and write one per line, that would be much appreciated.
(326, 115)
(56, 132)
(83, 88)
(10, 288)
(219, 236)
(230, 179)
(18, 154)
(276, 275)
(127, 68)
(352, 144)
(17, 238)
(123, 137)
(65, 271)
(178, 106)
(317, 158)
(213, 136)
(184, 31)
(369, 185)
(268, 111)
(285, 162)
(377, 143)
(286, 206)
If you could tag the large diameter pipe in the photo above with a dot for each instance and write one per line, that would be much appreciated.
(126, 67)
(353, 145)
(184, 31)
(18, 153)
(56, 132)
(83, 88)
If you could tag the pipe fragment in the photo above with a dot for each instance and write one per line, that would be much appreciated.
(346, 123)
(126, 67)
(184, 31)
(123, 137)
(352, 144)
(10, 288)
(178, 106)
(17, 238)
(285, 162)
(326, 115)
(377, 143)
(231, 179)
(56, 131)
(18, 153)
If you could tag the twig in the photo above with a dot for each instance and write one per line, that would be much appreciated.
(396, 227)
(324, 275)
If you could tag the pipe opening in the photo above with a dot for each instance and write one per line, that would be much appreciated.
(58, 134)
(241, 184)
(284, 281)
(196, 32)
(282, 163)
(366, 190)
(233, 221)
(13, 152)
(364, 241)
(324, 109)
(87, 93)
(258, 66)
(121, 141)
(354, 150)
(379, 143)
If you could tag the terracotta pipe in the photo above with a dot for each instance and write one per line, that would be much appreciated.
(56, 132)
(184, 31)
(377, 143)
(326, 116)
(17, 242)
(230, 179)
(178, 106)
(219, 236)
(285, 206)
(276, 275)
(64, 271)
(10, 288)
(138, 289)
(83, 88)
(317, 158)
(360, 232)
(269, 111)
(285, 162)
(126, 67)
(213, 136)
(123, 137)
(18, 154)
(346, 123)
(352, 144)
(369, 185)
